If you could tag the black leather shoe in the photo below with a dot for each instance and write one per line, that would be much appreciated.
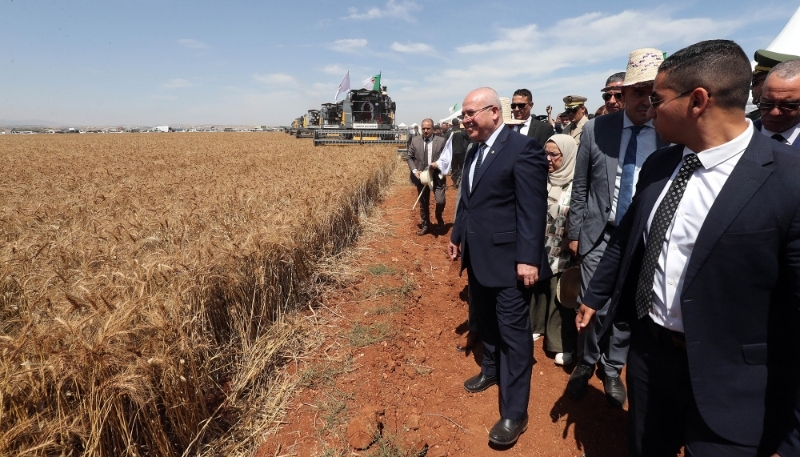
(506, 431)
(615, 391)
(579, 380)
(479, 383)
(424, 230)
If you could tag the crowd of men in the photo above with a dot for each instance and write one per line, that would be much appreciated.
(684, 223)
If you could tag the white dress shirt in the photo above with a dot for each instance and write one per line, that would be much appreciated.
(489, 142)
(790, 134)
(523, 128)
(702, 189)
(429, 149)
(645, 145)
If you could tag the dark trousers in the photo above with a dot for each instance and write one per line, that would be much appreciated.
(425, 200)
(608, 351)
(456, 168)
(505, 328)
(663, 415)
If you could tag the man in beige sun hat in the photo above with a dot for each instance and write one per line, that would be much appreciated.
(613, 149)
(575, 107)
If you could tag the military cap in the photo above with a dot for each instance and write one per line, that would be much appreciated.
(573, 101)
(765, 60)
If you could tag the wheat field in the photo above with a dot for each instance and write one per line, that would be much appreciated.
(147, 283)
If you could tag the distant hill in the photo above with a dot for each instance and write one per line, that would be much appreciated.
(30, 123)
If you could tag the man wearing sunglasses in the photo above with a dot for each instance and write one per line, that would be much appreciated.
(612, 93)
(765, 61)
(521, 105)
(499, 235)
(780, 104)
(706, 268)
(575, 109)
(613, 150)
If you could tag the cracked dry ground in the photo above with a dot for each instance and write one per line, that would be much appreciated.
(389, 352)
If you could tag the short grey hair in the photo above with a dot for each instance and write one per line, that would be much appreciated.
(786, 70)
(615, 78)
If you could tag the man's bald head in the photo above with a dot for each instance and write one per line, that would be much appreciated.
(779, 96)
(482, 113)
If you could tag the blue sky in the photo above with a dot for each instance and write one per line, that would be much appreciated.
(116, 62)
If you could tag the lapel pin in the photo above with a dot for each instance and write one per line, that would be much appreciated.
(492, 151)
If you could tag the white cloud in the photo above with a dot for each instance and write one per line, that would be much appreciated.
(392, 9)
(191, 43)
(276, 79)
(413, 48)
(349, 45)
(177, 83)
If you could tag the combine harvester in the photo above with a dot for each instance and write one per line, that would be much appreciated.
(363, 117)
(310, 123)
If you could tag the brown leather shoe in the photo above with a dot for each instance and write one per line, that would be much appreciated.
(467, 341)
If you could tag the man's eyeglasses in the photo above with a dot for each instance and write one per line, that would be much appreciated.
(608, 95)
(519, 105)
(472, 114)
(655, 102)
(784, 107)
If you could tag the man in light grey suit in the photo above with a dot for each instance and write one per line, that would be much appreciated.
(423, 153)
(612, 150)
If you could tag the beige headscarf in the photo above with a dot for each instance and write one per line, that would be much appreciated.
(563, 176)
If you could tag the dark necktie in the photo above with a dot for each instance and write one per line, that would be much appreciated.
(479, 159)
(658, 230)
(779, 138)
(628, 171)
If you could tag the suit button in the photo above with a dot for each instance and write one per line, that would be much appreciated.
(608, 210)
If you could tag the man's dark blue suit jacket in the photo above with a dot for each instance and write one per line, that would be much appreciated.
(501, 222)
(740, 297)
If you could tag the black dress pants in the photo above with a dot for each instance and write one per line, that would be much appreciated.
(663, 414)
(505, 328)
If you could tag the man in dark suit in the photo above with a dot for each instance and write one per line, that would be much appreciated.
(460, 140)
(521, 105)
(780, 104)
(705, 266)
(423, 154)
(613, 150)
(499, 234)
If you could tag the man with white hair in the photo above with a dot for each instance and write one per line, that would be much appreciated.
(499, 235)
(780, 104)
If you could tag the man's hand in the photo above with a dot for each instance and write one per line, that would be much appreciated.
(416, 173)
(453, 251)
(528, 274)
(435, 165)
(583, 318)
(549, 110)
(573, 249)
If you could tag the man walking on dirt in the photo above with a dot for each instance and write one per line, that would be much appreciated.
(499, 234)
(423, 154)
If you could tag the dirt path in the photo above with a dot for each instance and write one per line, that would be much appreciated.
(390, 351)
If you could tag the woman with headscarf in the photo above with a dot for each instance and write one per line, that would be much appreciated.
(548, 316)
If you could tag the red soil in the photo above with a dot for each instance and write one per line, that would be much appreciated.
(414, 376)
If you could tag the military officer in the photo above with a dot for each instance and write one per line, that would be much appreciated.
(765, 60)
(574, 106)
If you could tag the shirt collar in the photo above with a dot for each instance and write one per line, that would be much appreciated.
(490, 141)
(710, 158)
(791, 134)
(626, 122)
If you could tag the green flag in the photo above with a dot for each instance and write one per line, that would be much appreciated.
(373, 83)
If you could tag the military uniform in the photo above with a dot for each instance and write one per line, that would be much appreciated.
(574, 129)
(765, 60)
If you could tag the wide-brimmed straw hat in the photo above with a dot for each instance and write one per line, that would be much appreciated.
(508, 118)
(425, 178)
(569, 286)
(643, 66)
